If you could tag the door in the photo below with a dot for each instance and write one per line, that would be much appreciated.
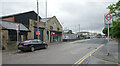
(40, 44)
(22, 38)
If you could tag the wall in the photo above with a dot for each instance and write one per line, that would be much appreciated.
(55, 23)
(32, 24)
(51, 22)
(5, 38)
(24, 18)
(11, 19)
(0, 36)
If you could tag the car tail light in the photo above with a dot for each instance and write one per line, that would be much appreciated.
(25, 44)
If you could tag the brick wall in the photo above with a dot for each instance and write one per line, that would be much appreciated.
(11, 19)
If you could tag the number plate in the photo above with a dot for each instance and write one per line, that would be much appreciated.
(20, 45)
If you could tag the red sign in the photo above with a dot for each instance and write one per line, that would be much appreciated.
(38, 33)
(108, 15)
(56, 34)
(53, 33)
(17, 26)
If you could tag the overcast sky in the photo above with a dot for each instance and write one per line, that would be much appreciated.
(88, 13)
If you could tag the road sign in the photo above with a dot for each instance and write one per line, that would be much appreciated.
(38, 33)
(17, 26)
(108, 19)
(53, 33)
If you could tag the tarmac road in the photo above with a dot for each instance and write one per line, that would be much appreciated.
(62, 53)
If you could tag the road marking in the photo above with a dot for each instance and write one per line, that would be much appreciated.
(7, 54)
(88, 54)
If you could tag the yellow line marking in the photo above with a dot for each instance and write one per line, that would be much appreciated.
(87, 55)
(7, 54)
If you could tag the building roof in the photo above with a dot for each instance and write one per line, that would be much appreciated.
(12, 25)
(45, 19)
(82, 32)
(19, 14)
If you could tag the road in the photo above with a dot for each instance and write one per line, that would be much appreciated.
(63, 53)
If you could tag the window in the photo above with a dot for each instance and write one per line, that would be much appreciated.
(58, 28)
(12, 35)
(51, 27)
(54, 24)
(39, 41)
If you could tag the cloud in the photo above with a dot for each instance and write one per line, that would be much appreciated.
(88, 13)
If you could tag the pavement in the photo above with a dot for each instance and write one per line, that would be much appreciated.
(101, 56)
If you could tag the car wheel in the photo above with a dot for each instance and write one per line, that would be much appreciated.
(46, 47)
(32, 49)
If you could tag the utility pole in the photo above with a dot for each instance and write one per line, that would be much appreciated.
(46, 21)
(37, 17)
(79, 27)
(17, 28)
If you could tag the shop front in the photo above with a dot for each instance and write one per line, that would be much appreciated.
(55, 36)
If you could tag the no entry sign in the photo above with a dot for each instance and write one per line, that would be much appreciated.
(108, 17)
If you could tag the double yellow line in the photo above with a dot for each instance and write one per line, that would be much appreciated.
(88, 54)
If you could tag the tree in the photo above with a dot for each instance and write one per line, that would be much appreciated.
(99, 35)
(105, 31)
(70, 32)
(114, 8)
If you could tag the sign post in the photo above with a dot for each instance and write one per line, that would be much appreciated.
(17, 28)
(108, 22)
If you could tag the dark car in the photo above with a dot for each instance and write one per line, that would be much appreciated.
(32, 45)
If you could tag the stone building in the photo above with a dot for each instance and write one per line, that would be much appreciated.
(9, 34)
(28, 28)
(54, 29)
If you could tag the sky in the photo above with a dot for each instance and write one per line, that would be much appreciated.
(70, 13)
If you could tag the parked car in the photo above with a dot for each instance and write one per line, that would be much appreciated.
(32, 45)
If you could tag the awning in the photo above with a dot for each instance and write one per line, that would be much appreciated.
(12, 25)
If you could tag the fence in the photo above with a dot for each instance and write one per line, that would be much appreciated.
(70, 36)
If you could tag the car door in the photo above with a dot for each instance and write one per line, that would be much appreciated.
(40, 44)
(35, 44)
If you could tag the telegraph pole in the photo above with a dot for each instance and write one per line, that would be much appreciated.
(46, 21)
(38, 18)
(79, 27)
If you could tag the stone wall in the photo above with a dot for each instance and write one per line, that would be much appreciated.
(0, 37)
(5, 38)
(51, 22)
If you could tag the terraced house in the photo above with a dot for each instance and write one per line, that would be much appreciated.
(28, 27)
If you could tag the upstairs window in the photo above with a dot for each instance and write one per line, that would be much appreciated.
(58, 28)
(51, 27)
